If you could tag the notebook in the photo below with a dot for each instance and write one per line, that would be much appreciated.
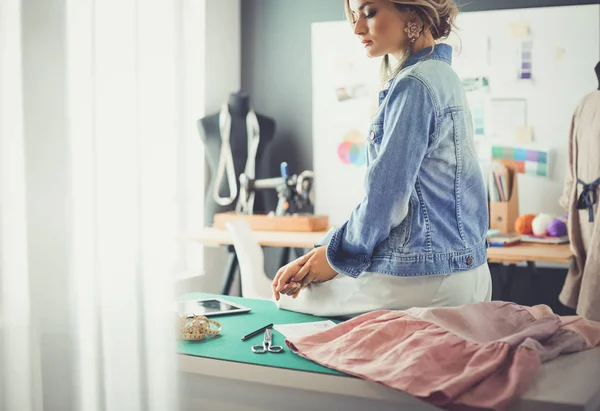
(546, 239)
(504, 240)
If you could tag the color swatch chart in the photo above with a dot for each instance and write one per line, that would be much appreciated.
(526, 51)
(524, 160)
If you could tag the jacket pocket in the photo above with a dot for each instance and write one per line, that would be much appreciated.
(376, 132)
(400, 235)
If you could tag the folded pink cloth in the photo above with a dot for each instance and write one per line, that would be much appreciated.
(477, 356)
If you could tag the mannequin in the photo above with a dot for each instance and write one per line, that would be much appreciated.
(209, 129)
(597, 69)
(581, 290)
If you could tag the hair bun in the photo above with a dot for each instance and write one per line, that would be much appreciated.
(444, 28)
(447, 10)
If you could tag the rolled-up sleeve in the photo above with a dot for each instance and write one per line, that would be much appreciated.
(408, 126)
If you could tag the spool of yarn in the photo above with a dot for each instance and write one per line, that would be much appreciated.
(557, 228)
(523, 224)
(539, 225)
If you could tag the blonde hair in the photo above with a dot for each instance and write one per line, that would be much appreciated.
(437, 15)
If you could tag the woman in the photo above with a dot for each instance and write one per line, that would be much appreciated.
(418, 238)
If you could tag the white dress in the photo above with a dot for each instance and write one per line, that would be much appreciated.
(347, 296)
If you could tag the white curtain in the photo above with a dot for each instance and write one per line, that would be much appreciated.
(129, 85)
(16, 369)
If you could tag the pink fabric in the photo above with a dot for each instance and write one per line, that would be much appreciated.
(477, 356)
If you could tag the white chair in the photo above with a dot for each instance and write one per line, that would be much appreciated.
(255, 283)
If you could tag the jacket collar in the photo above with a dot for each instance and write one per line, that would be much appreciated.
(440, 51)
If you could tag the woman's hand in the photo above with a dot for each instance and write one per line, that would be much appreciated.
(310, 268)
(282, 282)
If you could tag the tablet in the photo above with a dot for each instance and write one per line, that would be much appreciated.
(210, 307)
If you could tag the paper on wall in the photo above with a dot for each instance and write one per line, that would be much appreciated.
(293, 331)
(524, 134)
(519, 29)
(507, 117)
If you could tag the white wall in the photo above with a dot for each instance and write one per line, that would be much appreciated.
(559, 82)
(222, 76)
(223, 56)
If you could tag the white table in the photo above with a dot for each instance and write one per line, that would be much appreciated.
(568, 383)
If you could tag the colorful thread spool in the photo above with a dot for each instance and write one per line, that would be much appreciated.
(557, 228)
(523, 224)
(539, 225)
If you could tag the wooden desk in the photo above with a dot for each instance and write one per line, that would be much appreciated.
(214, 237)
(568, 383)
(556, 253)
(530, 253)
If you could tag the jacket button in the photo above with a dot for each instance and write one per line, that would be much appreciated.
(469, 260)
(372, 135)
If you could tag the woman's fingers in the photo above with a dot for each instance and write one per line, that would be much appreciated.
(284, 281)
(289, 277)
(295, 294)
(275, 282)
(309, 279)
(291, 288)
(275, 292)
(304, 259)
(302, 272)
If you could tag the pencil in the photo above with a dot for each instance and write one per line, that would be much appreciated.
(253, 333)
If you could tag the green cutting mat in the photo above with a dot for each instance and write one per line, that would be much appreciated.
(229, 346)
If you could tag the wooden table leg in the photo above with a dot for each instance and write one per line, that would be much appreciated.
(509, 278)
(533, 296)
(230, 270)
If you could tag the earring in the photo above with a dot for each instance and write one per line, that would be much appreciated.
(413, 30)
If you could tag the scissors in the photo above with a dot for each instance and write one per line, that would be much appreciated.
(266, 345)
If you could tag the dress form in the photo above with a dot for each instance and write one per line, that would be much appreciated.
(210, 133)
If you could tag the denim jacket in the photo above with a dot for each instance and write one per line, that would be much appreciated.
(425, 209)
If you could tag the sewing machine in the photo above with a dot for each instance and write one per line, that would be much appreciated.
(294, 206)
(295, 192)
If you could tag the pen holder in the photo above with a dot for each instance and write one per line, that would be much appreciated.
(197, 327)
(504, 214)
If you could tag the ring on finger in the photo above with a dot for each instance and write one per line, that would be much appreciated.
(293, 288)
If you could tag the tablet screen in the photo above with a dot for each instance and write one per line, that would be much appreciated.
(209, 307)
